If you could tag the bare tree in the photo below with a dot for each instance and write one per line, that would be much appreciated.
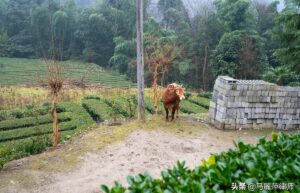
(159, 58)
(140, 59)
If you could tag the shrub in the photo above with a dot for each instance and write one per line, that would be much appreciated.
(92, 97)
(187, 95)
(26, 112)
(119, 106)
(275, 161)
(33, 131)
(5, 155)
(30, 140)
(207, 95)
(204, 102)
(31, 121)
(149, 105)
(97, 109)
(191, 108)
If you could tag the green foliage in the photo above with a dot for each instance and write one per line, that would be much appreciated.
(98, 109)
(21, 133)
(122, 106)
(281, 75)
(24, 112)
(207, 95)
(31, 121)
(239, 55)
(201, 101)
(189, 107)
(92, 97)
(6, 46)
(5, 155)
(149, 105)
(288, 23)
(29, 135)
(275, 161)
(236, 14)
(24, 71)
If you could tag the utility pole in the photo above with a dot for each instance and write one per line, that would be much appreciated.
(140, 59)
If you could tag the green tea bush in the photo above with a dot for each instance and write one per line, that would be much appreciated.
(275, 161)
(92, 97)
(17, 141)
(29, 111)
(207, 95)
(33, 131)
(98, 109)
(31, 121)
(204, 102)
(191, 108)
(79, 117)
(5, 155)
(149, 105)
(119, 106)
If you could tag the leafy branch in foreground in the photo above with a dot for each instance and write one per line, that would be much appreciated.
(275, 161)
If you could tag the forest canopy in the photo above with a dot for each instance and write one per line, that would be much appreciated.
(247, 39)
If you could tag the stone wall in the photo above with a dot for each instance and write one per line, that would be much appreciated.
(254, 104)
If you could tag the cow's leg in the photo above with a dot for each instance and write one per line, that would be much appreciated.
(173, 113)
(167, 113)
(177, 113)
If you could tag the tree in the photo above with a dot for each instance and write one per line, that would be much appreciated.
(18, 28)
(236, 14)
(140, 59)
(6, 46)
(266, 14)
(288, 23)
(281, 75)
(239, 55)
(161, 50)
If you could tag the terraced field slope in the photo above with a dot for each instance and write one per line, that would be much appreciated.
(15, 71)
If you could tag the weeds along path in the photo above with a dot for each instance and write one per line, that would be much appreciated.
(110, 153)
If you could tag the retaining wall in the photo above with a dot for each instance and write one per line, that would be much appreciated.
(254, 104)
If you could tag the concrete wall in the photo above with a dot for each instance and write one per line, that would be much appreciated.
(254, 104)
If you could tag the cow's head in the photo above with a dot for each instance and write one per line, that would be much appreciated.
(180, 92)
(178, 89)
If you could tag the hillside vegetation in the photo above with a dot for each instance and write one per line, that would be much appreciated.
(15, 71)
(27, 130)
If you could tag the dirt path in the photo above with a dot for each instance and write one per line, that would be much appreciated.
(88, 161)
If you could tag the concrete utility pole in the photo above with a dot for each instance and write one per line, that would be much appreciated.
(140, 59)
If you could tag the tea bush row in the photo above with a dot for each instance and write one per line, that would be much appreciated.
(98, 109)
(204, 102)
(36, 139)
(31, 121)
(126, 106)
(33, 131)
(22, 113)
(191, 108)
(275, 161)
(207, 95)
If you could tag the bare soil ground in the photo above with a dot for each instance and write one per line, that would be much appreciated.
(110, 153)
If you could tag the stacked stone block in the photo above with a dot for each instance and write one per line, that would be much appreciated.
(254, 104)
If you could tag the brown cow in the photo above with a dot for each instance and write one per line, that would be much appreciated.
(171, 97)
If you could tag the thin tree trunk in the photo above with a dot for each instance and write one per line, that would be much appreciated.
(55, 121)
(155, 88)
(140, 59)
(204, 68)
